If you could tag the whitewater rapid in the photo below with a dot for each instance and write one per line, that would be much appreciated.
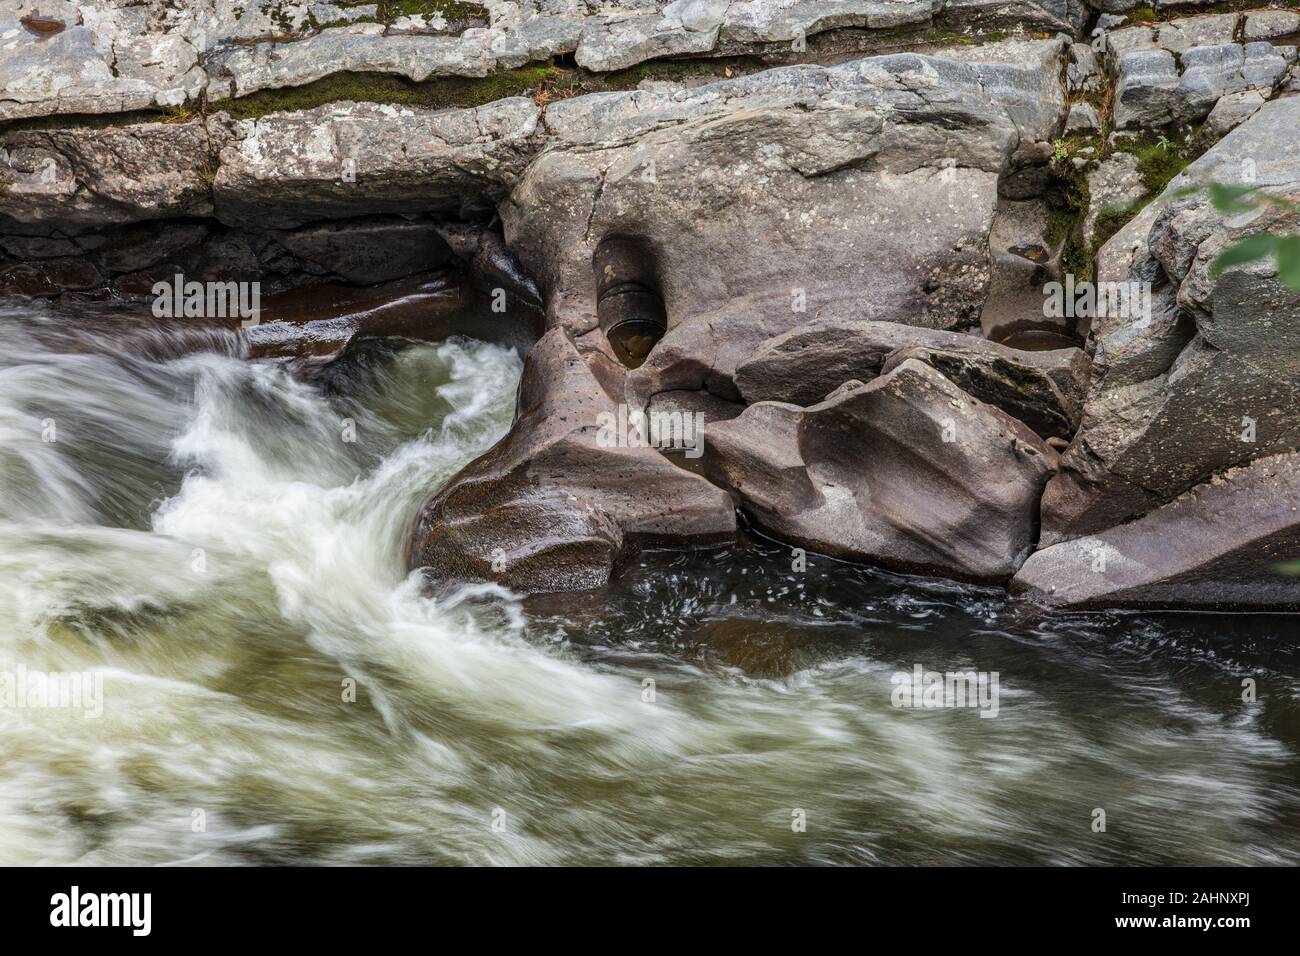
(220, 541)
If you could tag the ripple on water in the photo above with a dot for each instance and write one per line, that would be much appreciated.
(208, 544)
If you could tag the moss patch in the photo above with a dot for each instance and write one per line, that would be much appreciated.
(544, 82)
(1146, 13)
(1111, 221)
(950, 39)
(98, 120)
(442, 93)
(1160, 159)
(1067, 205)
(453, 11)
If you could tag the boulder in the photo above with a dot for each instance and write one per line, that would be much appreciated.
(562, 498)
(1221, 546)
(1042, 389)
(1082, 74)
(682, 27)
(147, 244)
(771, 21)
(802, 367)
(1082, 118)
(1146, 89)
(238, 70)
(907, 471)
(319, 322)
(1210, 378)
(1270, 24)
(1230, 112)
(1181, 35)
(1116, 44)
(49, 277)
(93, 65)
(369, 249)
(1215, 71)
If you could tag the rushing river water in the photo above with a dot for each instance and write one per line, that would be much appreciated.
(196, 531)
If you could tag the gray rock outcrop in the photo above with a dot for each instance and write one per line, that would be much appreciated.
(1210, 378)
(807, 164)
(108, 56)
(1175, 72)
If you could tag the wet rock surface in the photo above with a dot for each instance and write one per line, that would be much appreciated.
(76, 179)
(907, 471)
(555, 505)
(1228, 543)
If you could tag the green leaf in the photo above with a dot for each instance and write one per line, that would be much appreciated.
(1289, 567)
(1231, 198)
(1288, 262)
(1245, 250)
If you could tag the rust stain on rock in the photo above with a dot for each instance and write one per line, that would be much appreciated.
(43, 26)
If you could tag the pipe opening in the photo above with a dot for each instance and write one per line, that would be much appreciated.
(629, 305)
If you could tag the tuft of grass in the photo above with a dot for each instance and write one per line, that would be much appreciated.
(1143, 13)
(950, 39)
(179, 114)
(207, 173)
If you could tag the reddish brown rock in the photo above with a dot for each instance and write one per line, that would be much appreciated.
(554, 508)
(907, 471)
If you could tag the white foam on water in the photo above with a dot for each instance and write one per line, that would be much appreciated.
(202, 537)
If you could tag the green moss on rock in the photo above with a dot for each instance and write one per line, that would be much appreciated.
(390, 10)
(441, 93)
(1160, 159)
(1067, 204)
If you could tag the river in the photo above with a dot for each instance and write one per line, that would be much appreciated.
(217, 542)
